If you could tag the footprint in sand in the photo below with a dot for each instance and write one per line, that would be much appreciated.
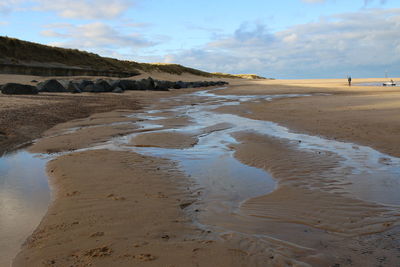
(145, 257)
(74, 193)
(114, 197)
(99, 252)
(97, 234)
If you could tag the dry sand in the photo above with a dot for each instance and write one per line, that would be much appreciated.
(122, 208)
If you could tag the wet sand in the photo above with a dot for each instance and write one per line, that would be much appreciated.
(366, 115)
(135, 209)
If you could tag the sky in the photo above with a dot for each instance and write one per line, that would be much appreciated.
(277, 39)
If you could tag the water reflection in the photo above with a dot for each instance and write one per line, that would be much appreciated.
(24, 198)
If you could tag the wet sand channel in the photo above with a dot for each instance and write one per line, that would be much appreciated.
(275, 196)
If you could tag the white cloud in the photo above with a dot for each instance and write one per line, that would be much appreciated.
(7, 6)
(363, 42)
(94, 36)
(76, 9)
(85, 9)
(313, 1)
(367, 2)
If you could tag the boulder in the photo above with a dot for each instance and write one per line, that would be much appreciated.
(53, 86)
(82, 84)
(146, 84)
(73, 87)
(128, 85)
(115, 84)
(161, 85)
(197, 84)
(183, 84)
(177, 86)
(180, 84)
(88, 88)
(18, 89)
(102, 86)
(118, 90)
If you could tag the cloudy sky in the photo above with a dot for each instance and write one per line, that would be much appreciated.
(281, 39)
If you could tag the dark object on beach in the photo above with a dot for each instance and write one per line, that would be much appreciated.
(18, 89)
(102, 86)
(73, 87)
(146, 84)
(52, 86)
(128, 85)
(180, 84)
(118, 90)
(34, 81)
(83, 83)
(349, 80)
(162, 85)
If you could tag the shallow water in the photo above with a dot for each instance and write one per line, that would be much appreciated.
(369, 174)
(223, 182)
(24, 198)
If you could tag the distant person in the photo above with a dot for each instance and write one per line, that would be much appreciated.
(349, 80)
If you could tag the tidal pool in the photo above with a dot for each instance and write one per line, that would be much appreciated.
(24, 198)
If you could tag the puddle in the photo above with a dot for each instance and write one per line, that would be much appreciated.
(24, 198)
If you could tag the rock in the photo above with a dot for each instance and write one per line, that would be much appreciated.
(183, 84)
(34, 81)
(222, 83)
(102, 86)
(115, 84)
(128, 85)
(18, 89)
(197, 84)
(146, 84)
(84, 83)
(73, 88)
(180, 84)
(53, 86)
(162, 85)
(118, 90)
(88, 88)
(177, 86)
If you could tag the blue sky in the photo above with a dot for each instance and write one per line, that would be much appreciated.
(281, 39)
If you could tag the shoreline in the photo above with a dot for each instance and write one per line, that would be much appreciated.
(101, 248)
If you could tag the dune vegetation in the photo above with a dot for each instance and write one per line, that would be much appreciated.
(15, 51)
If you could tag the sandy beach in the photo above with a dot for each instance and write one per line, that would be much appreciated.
(170, 178)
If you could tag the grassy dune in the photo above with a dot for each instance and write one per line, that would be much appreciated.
(22, 52)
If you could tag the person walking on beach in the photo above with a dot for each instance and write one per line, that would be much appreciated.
(349, 80)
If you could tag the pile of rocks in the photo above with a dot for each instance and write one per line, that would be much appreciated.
(102, 86)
